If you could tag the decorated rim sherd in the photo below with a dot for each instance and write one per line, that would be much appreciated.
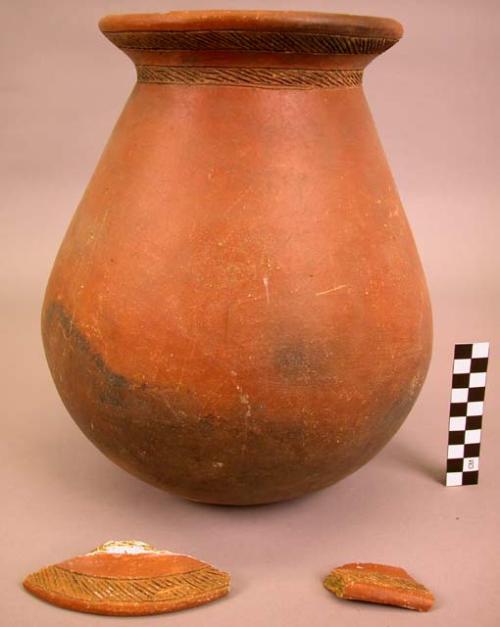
(128, 578)
(378, 583)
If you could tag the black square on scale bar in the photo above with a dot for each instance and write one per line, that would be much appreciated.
(460, 381)
(470, 478)
(480, 364)
(463, 351)
(456, 437)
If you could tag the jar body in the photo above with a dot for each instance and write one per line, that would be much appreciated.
(238, 313)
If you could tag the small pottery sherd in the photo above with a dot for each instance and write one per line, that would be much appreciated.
(377, 583)
(128, 578)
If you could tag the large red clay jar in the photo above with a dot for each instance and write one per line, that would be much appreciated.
(238, 313)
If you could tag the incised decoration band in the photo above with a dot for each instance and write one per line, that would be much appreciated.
(339, 580)
(251, 41)
(92, 588)
(295, 78)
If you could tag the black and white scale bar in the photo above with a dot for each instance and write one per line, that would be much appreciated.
(470, 363)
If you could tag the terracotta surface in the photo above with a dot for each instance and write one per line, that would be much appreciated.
(262, 21)
(238, 313)
(378, 583)
(128, 579)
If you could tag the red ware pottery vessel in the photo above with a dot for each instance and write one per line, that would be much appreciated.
(238, 313)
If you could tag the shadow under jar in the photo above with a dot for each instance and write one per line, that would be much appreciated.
(237, 313)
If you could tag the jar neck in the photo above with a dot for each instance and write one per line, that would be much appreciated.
(267, 49)
(242, 67)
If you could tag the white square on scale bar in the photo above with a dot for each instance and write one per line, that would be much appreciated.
(477, 380)
(457, 423)
(461, 366)
(470, 464)
(453, 478)
(480, 349)
(455, 451)
(473, 436)
(475, 409)
(459, 395)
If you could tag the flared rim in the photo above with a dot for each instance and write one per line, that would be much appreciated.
(293, 21)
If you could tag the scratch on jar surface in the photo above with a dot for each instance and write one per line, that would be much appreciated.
(265, 280)
(245, 401)
(332, 289)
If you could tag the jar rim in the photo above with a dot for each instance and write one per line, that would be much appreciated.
(336, 24)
